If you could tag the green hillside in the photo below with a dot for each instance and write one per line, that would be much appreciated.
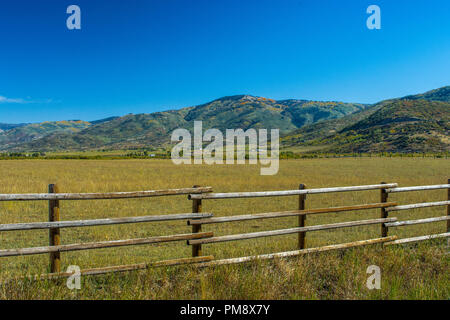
(418, 123)
(19, 135)
(403, 126)
(415, 123)
(9, 126)
(154, 130)
(441, 94)
(246, 111)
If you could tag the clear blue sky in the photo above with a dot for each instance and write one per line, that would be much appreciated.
(152, 55)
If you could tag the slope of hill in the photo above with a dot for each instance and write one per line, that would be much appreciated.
(418, 123)
(402, 126)
(23, 134)
(327, 128)
(413, 123)
(9, 126)
(242, 111)
(440, 94)
(103, 120)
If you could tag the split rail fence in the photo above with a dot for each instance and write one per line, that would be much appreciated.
(198, 219)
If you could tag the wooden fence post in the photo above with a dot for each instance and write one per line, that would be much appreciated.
(301, 218)
(384, 213)
(54, 234)
(196, 208)
(448, 206)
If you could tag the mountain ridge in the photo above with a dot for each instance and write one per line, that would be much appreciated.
(153, 129)
(329, 126)
(414, 123)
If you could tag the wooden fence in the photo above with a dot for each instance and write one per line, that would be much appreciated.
(196, 219)
(54, 225)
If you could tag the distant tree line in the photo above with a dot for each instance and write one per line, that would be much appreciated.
(148, 154)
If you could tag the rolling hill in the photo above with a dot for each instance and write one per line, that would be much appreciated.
(417, 123)
(23, 134)
(154, 129)
(441, 94)
(9, 126)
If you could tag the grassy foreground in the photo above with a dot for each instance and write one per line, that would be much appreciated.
(418, 271)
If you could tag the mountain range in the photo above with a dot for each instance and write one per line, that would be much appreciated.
(415, 123)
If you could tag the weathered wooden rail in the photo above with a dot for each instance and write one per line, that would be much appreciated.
(54, 225)
(196, 219)
(100, 222)
(280, 232)
(101, 244)
(298, 252)
(288, 213)
(99, 196)
(385, 221)
(302, 213)
(446, 203)
(300, 191)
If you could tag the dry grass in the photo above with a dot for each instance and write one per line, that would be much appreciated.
(409, 272)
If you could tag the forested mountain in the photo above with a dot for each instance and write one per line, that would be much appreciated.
(418, 123)
(415, 123)
(154, 129)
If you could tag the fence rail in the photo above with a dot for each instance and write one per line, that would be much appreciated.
(54, 224)
(299, 252)
(99, 196)
(102, 244)
(125, 268)
(418, 221)
(100, 222)
(196, 219)
(420, 238)
(418, 188)
(418, 205)
(244, 236)
(282, 214)
(288, 192)
(386, 226)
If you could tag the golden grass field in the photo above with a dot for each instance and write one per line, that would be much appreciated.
(415, 271)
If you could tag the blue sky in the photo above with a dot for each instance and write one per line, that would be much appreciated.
(141, 56)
